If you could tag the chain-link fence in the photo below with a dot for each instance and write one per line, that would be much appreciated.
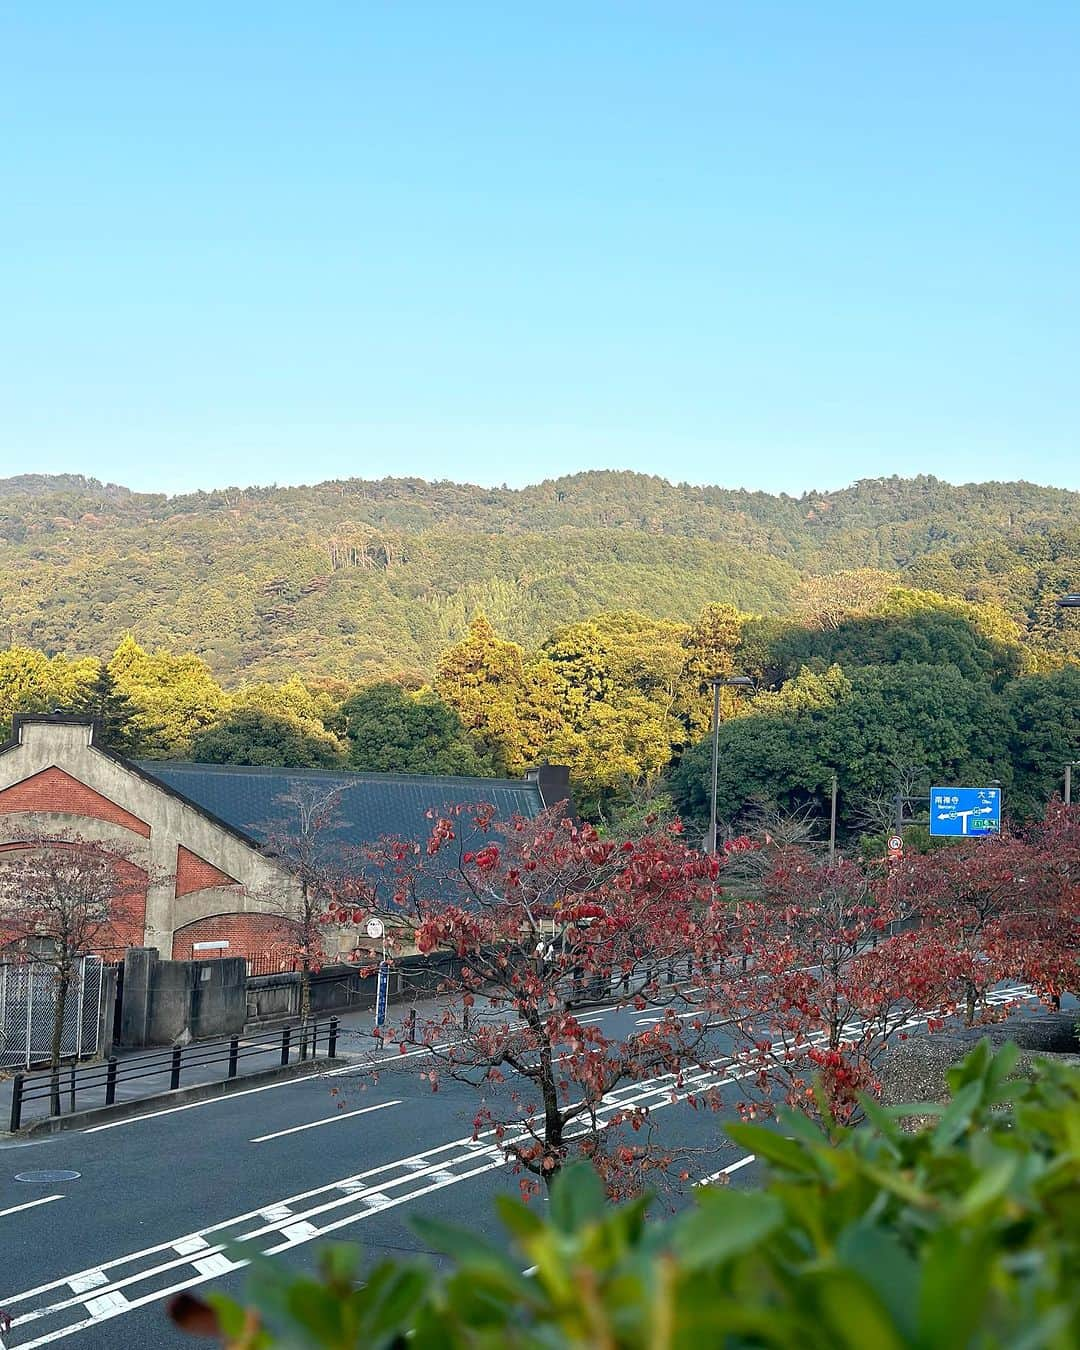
(28, 991)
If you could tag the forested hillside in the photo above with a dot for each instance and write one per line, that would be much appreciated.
(898, 633)
(359, 579)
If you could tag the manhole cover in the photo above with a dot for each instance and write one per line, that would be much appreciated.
(48, 1178)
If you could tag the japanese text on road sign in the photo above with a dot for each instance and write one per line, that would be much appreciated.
(965, 811)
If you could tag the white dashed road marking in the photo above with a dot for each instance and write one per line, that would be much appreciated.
(54, 1311)
(327, 1120)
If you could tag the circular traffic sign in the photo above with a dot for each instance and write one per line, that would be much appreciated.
(374, 927)
(896, 844)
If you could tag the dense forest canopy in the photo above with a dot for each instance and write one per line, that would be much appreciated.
(358, 579)
(898, 632)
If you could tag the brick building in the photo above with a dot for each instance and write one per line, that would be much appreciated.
(196, 834)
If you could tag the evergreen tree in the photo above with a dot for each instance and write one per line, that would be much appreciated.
(710, 647)
(392, 731)
(120, 726)
(251, 736)
(175, 696)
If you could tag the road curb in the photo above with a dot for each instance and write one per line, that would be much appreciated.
(195, 1092)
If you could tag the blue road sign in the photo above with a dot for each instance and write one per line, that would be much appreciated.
(965, 811)
(381, 992)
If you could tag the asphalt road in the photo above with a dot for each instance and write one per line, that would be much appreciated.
(160, 1199)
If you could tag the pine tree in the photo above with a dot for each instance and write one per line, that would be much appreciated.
(117, 718)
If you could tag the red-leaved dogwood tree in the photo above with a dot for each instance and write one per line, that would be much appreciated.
(541, 916)
(999, 908)
(829, 980)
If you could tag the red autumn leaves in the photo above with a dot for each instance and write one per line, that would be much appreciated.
(812, 977)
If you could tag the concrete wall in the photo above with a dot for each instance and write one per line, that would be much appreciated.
(339, 987)
(272, 998)
(164, 1001)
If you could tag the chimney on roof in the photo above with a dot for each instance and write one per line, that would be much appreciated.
(553, 780)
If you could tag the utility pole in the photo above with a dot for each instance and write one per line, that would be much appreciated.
(832, 822)
(715, 764)
(1068, 782)
(718, 683)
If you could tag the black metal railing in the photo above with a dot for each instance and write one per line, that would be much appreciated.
(102, 1080)
(272, 965)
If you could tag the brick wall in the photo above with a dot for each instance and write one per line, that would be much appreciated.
(195, 874)
(128, 922)
(128, 912)
(54, 790)
(261, 935)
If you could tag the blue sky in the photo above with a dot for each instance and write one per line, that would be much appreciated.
(773, 245)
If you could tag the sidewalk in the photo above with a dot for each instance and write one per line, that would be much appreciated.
(148, 1073)
(144, 1074)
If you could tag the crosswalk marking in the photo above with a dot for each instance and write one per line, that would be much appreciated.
(53, 1311)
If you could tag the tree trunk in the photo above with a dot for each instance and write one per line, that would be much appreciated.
(553, 1121)
(305, 994)
(63, 980)
(969, 1004)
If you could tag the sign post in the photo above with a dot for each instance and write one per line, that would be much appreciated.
(966, 812)
(895, 848)
(375, 930)
(381, 993)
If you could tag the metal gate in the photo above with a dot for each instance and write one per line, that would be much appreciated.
(28, 1008)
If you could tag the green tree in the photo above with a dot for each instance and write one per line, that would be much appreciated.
(865, 724)
(250, 736)
(176, 696)
(290, 698)
(389, 730)
(710, 647)
(507, 705)
(120, 725)
(30, 682)
(914, 627)
(1044, 735)
(625, 696)
(613, 749)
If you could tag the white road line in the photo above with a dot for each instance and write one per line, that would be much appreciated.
(108, 1305)
(296, 1227)
(491, 1157)
(15, 1209)
(366, 1066)
(727, 1171)
(329, 1120)
(390, 1057)
(213, 1265)
(93, 1279)
(289, 1204)
(209, 1101)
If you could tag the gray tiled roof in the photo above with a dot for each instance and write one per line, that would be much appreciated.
(370, 806)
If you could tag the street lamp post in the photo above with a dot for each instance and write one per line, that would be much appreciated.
(1071, 601)
(718, 683)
